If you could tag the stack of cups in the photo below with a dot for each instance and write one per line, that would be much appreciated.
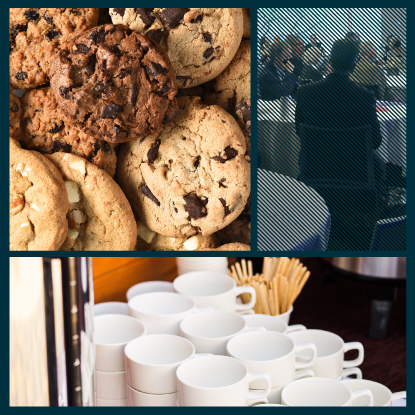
(112, 333)
(185, 265)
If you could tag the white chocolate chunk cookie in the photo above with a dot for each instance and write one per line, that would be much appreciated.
(38, 202)
(100, 217)
(192, 176)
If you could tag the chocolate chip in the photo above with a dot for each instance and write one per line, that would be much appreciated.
(231, 105)
(171, 115)
(21, 76)
(175, 209)
(65, 92)
(227, 210)
(80, 48)
(145, 16)
(245, 109)
(31, 15)
(18, 28)
(116, 49)
(223, 179)
(57, 128)
(48, 18)
(156, 34)
(147, 192)
(172, 17)
(183, 80)
(198, 19)
(230, 154)
(134, 94)
(102, 88)
(98, 35)
(90, 68)
(87, 116)
(58, 146)
(153, 152)
(195, 206)
(106, 147)
(208, 38)
(111, 111)
(197, 162)
(14, 107)
(155, 69)
(143, 138)
(222, 185)
(208, 53)
(52, 34)
(120, 11)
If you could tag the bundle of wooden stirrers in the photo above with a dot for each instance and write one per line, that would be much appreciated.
(276, 288)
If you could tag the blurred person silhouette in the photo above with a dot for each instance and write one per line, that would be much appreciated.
(311, 59)
(297, 48)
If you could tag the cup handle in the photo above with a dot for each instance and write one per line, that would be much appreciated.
(253, 328)
(305, 346)
(258, 401)
(352, 371)
(363, 392)
(304, 373)
(295, 327)
(202, 309)
(398, 395)
(354, 346)
(260, 393)
(249, 290)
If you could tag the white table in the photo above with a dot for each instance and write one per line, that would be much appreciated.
(291, 216)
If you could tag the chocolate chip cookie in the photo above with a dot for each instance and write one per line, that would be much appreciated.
(233, 85)
(243, 113)
(100, 217)
(200, 42)
(15, 111)
(38, 202)
(115, 83)
(229, 247)
(191, 177)
(46, 129)
(35, 38)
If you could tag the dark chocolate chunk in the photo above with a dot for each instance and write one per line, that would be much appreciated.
(90, 68)
(172, 17)
(231, 105)
(245, 110)
(125, 72)
(98, 35)
(80, 48)
(31, 15)
(147, 192)
(52, 34)
(102, 88)
(198, 19)
(111, 111)
(197, 162)
(145, 16)
(194, 206)
(153, 152)
(227, 210)
(65, 92)
(208, 53)
(155, 69)
(156, 34)
(58, 146)
(208, 38)
(183, 80)
(230, 154)
(21, 76)
(14, 107)
(18, 28)
(106, 147)
(57, 128)
(120, 11)
(134, 94)
(48, 18)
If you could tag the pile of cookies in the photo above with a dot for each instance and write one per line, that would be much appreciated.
(132, 130)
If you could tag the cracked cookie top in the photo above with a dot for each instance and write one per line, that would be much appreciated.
(115, 83)
(36, 36)
(191, 177)
(100, 217)
(200, 42)
(38, 202)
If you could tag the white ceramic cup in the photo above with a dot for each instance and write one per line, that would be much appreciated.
(271, 323)
(213, 289)
(152, 361)
(111, 402)
(322, 392)
(110, 385)
(112, 333)
(149, 287)
(270, 352)
(350, 372)
(162, 312)
(211, 331)
(137, 398)
(330, 352)
(382, 396)
(275, 395)
(111, 307)
(217, 381)
(286, 316)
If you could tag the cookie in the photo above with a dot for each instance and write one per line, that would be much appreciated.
(229, 247)
(150, 241)
(191, 177)
(46, 129)
(233, 85)
(116, 84)
(200, 42)
(247, 23)
(243, 114)
(100, 217)
(38, 202)
(15, 111)
(35, 38)
(237, 231)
